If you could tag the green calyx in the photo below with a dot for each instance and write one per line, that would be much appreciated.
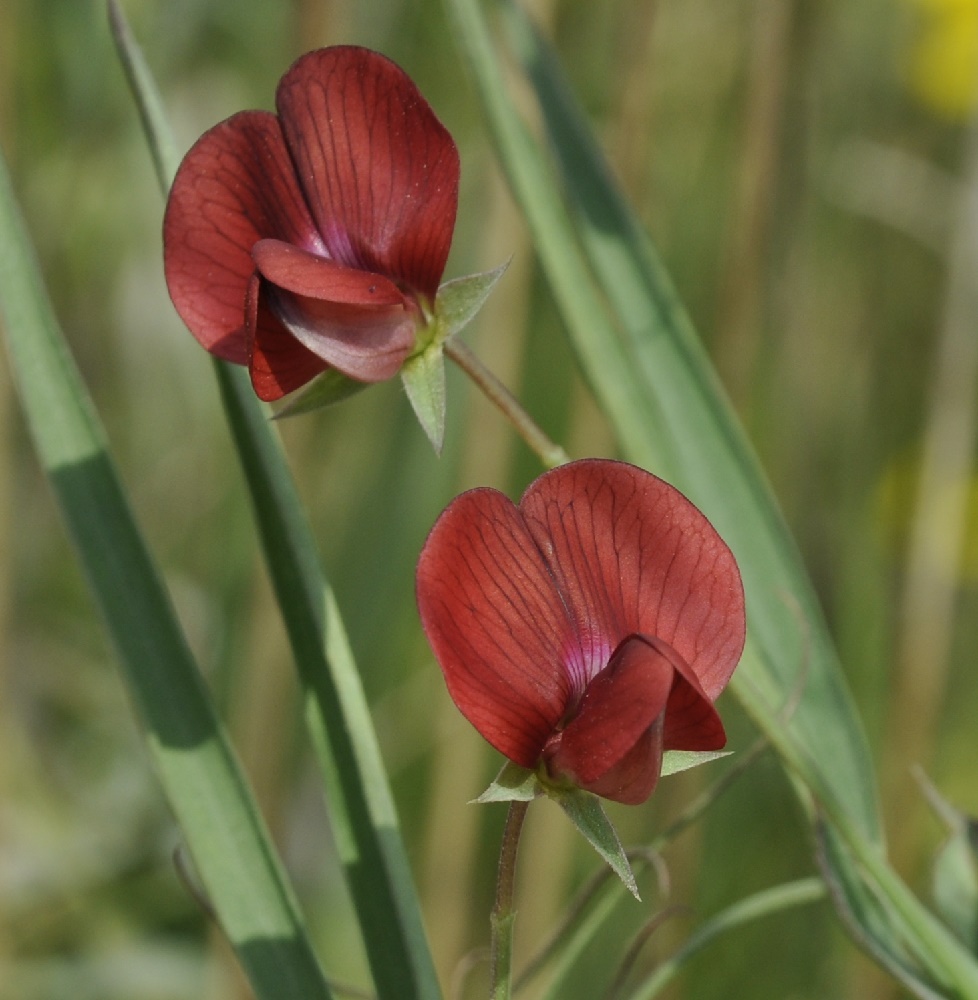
(521, 784)
(423, 374)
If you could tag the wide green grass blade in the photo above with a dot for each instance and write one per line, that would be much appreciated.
(361, 806)
(652, 378)
(638, 349)
(237, 863)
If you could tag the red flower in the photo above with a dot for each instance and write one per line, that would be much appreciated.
(315, 238)
(588, 629)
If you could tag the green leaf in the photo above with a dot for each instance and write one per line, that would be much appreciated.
(512, 784)
(330, 387)
(586, 813)
(204, 784)
(424, 381)
(674, 761)
(460, 299)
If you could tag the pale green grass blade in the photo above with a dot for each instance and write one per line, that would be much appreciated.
(936, 949)
(231, 848)
(361, 806)
(652, 377)
(719, 466)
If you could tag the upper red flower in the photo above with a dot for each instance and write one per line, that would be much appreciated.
(588, 629)
(315, 238)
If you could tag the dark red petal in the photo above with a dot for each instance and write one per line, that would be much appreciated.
(316, 277)
(234, 187)
(495, 622)
(378, 169)
(366, 343)
(632, 555)
(691, 721)
(278, 363)
(633, 779)
(604, 748)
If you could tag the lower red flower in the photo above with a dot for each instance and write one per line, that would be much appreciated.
(587, 630)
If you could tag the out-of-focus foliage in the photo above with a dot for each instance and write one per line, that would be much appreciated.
(798, 166)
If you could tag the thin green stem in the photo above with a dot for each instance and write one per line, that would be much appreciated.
(503, 914)
(148, 102)
(550, 454)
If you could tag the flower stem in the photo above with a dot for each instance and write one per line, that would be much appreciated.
(550, 454)
(503, 914)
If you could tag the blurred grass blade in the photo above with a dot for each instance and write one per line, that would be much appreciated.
(761, 904)
(857, 859)
(205, 787)
(361, 806)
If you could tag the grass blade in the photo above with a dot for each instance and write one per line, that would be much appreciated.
(654, 381)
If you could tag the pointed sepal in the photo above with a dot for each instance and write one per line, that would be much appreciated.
(460, 299)
(423, 376)
(585, 812)
(330, 387)
(674, 761)
(512, 784)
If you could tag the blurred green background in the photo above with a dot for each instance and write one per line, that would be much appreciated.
(805, 169)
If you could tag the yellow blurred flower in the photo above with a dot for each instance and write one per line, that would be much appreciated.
(944, 61)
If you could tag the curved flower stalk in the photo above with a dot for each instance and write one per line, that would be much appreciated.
(587, 630)
(315, 239)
